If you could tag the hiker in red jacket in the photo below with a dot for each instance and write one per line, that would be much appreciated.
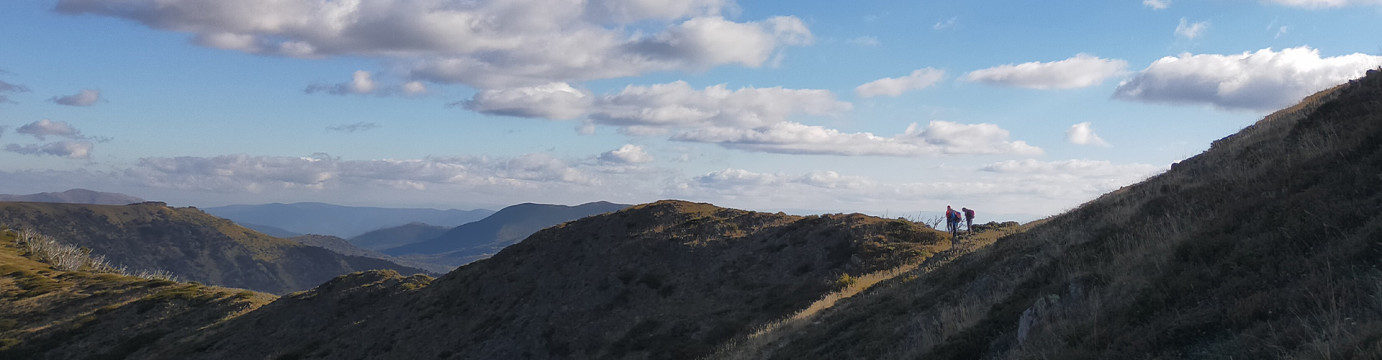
(952, 221)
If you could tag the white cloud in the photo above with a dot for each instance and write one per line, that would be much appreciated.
(1191, 30)
(552, 101)
(938, 138)
(361, 82)
(1083, 134)
(1082, 70)
(1157, 4)
(627, 154)
(1015, 186)
(239, 173)
(676, 104)
(71, 149)
(1262, 81)
(42, 129)
(945, 24)
(487, 44)
(414, 88)
(86, 97)
(1074, 167)
(1316, 4)
(918, 79)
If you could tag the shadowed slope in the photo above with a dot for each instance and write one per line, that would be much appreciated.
(1265, 246)
(664, 280)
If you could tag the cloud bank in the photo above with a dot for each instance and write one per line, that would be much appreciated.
(1082, 70)
(918, 79)
(1263, 80)
(486, 44)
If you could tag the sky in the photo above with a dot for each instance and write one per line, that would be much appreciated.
(1017, 109)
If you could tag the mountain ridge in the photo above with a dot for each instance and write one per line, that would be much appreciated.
(189, 243)
(339, 220)
(75, 196)
(479, 239)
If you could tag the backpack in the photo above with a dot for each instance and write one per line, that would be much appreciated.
(954, 216)
(969, 213)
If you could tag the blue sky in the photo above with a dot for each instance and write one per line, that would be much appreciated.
(1018, 109)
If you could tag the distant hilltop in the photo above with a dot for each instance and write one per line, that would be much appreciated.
(75, 196)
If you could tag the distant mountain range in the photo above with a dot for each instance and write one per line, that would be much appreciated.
(75, 196)
(477, 240)
(337, 220)
(189, 243)
(398, 236)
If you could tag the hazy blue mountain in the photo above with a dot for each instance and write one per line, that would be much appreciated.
(344, 247)
(75, 196)
(480, 239)
(398, 236)
(337, 220)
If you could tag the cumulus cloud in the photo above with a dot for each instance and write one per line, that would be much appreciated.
(487, 44)
(552, 101)
(918, 79)
(676, 104)
(740, 179)
(1261, 81)
(9, 88)
(1316, 4)
(1190, 30)
(360, 83)
(42, 129)
(232, 173)
(937, 138)
(1082, 70)
(86, 97)
(627, 154)
(414, 88)
(356, 127)
(1074, 167)
(71, 149)
(1157, 4)
(1083, 134)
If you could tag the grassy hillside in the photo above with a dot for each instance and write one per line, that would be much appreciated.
(50, 313)
(664, 280)
(189, 243)
(1265, 246)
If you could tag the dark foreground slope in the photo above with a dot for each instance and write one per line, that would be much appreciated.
(1265, 246)
(47, 313)
(188, 243)
(668, 280)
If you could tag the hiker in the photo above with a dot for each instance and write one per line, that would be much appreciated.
(952, 221)
(969, 219)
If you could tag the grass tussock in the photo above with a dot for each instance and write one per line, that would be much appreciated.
(71, 258)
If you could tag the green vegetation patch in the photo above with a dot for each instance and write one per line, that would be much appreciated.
(32, 283)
